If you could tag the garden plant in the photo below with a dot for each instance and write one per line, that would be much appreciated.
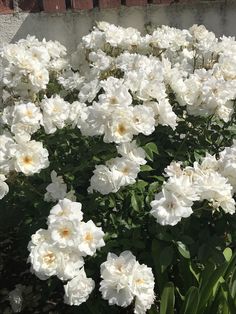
(118, 173)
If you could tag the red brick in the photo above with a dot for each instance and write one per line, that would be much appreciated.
(104, 4)
(52, 6)
(131, 3)
(81, 4)
(6, 6)
(162, 1)
(29, 5)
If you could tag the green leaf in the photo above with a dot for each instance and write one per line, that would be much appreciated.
(191, 301)
(194, 271)
(152, 147)
(231, 305)
(149, 153)
(167, 299)
(228, 254)
(161, 278)
(183, 250)
(134, 202)
(233, 284)
(146, 168)
(209, 286)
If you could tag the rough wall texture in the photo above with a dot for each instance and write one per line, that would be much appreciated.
(69, 27)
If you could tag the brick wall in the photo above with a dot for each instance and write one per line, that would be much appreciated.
(60, 6)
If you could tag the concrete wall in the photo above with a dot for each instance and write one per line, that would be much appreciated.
(69, 27)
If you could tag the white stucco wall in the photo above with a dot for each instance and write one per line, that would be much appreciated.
(68, 28)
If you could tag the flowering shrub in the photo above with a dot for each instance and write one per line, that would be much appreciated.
(138, 130)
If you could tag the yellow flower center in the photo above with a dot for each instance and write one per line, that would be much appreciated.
(139, 281)
(65, 232)
(49, 258)
(113, 100)
(125, 170)
(121, 129)
(88, 237)
(27, 160)
(29, 113)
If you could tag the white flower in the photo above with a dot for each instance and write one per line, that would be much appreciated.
(64, 233)
(45, 259)
(143, 288)
(183, 187)
(25, 118)
(115, 272)
(6, 144)
(90, 238)
(216, 189)
(116, 94)
(70, 266)
(103, 180)
(4, 189)
(124, 279)
(71, 80)
(131, 151)
(120, 127)
(55, 190)
(41, 236)
(39, 77)
(78, 114)
(78, 289)
(143, 120)
(227, 164)
(30, 157)
(142, 280)
(168, 209)
(55, 113)
(124, 170)
(163, 112)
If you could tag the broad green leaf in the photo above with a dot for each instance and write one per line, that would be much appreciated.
(167, 302)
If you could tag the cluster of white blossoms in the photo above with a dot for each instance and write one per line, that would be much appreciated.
(60, 249)
(20, 155)
(124, 280)
(29, 64)
(118, 85)
(123, 84)
(214, 180)
(57, 190)
(120, 67)
(119, 171)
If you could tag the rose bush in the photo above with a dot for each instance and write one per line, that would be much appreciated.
(118, 173)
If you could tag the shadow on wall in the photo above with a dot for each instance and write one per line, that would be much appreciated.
(69, 27)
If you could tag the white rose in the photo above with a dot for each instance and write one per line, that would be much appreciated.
(78, 289)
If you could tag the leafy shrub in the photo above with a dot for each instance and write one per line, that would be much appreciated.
(119, 162)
